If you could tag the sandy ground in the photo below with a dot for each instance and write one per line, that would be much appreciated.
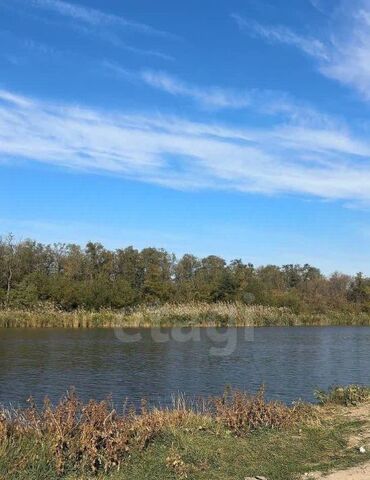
(361, 472)
(355, 473)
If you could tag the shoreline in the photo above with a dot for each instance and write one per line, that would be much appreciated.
(178, 315)
(177, 326)
(224, 438)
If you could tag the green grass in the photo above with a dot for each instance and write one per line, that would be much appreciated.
(226, 438)
(275, 455)
(339, 395)
(205, 451)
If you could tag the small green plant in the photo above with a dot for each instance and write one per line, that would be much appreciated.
(340, 395)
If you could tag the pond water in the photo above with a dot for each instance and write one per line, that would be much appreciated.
(154, 364)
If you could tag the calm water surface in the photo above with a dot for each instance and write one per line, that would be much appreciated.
(291, 362)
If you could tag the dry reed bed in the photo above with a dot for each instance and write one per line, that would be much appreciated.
(93, 437)
(189, 314)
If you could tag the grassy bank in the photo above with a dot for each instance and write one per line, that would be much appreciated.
(228, 438)
(190, 314)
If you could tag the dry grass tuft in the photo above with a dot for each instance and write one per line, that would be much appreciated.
(175, 314)
(92, 436)
(171, 314)
(176, 464)
(95, 438)
(242, 413)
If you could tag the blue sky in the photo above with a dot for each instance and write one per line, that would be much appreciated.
(230, 127)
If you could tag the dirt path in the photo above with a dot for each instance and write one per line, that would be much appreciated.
(362, 438)
(355, 473)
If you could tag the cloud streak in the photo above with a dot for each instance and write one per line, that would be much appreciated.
(88, 21)
(184, 154)
(284, 35)
(209, 97)
(350, 57)
(318, 5)
(94, 17)
(343, 51)
(266, 102)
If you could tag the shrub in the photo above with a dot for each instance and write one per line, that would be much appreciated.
(338, 395)
(243, 413)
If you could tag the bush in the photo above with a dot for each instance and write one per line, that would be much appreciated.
(338, 395)
(242, 413)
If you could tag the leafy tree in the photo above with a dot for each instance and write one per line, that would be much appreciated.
(94, 277)
(8, 264)
(359, 291)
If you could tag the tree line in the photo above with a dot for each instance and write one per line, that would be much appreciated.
(93, 277)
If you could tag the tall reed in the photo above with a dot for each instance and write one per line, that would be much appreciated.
(172, 314)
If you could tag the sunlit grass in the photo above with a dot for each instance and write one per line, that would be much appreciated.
(189, 314)
(223, 439)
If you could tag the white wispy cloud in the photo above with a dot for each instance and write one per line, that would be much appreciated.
(343, 50)
(17, 100)
(94, 17)
(210, 96)
(183, 154)
(350, 55)
(318, 5)
(87, 21)
(214, 97)
(117, 42)
(282, 34)
(268, 102)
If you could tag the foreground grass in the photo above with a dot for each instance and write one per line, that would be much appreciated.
(244, 436)
(190, 314)
(202, 455)
(275, 455)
